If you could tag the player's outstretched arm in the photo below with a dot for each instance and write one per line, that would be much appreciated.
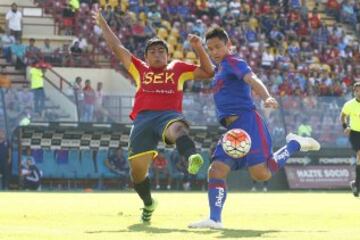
(206, 69)
(112, 40)
(258, 86)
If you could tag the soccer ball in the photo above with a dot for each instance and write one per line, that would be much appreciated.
(236, 143)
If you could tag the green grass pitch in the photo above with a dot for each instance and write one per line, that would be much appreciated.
(108, 216)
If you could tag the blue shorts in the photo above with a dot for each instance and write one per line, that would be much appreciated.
(261, 147)
(148, 128)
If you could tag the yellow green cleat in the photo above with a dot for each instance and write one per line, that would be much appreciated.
(195, 163)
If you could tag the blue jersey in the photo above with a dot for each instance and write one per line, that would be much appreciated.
(232, 95)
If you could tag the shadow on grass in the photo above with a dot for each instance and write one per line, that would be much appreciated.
(224, 233)
(243, 233)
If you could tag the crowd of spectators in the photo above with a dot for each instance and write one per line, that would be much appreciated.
(296, 51)
(301, 57)
(75, 54)
(89, 100)
(17, 52)
(291, 47)
(320, 121)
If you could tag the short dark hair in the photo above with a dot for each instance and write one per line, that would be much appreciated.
(155, 41)
(217, 32)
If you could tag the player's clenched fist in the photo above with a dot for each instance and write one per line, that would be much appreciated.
(194, 40)
(271, 102)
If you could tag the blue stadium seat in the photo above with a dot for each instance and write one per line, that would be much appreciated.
(74, 165)
(49, 166)
(87, 165)
(62, 163)
(102, 169)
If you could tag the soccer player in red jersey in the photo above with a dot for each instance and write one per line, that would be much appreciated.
(158, 105)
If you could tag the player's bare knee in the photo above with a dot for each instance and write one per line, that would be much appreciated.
(260, 172)
(138, 172)
(175, 131)
(137, 177)
(261, 175)
(214, 173)
(178, 129)
(218, 170)
(137, 169)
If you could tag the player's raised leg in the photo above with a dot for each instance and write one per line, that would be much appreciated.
(178, 133)
(294, 144)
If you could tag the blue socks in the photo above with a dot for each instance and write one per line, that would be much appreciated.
(217, 187)
(217, 196)
(280, 157)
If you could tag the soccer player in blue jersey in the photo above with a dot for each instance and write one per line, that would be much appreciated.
(232, 85)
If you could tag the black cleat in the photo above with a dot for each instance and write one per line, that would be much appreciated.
(354, 188)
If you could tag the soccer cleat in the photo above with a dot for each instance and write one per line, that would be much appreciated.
(207, 223)
(306, 143)
(148, 211)
(354, 188)
(195, 163)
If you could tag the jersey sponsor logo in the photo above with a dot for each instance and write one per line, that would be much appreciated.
(160, 91)
(158, 78)
(219, 197)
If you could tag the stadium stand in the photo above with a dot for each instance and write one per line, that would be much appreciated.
(306, 52)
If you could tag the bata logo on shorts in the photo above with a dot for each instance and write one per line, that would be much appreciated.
(219, 197)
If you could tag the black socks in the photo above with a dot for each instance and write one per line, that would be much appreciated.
(143, 189)
(185, 145)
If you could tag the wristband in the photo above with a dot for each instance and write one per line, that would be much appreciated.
(344, 125)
